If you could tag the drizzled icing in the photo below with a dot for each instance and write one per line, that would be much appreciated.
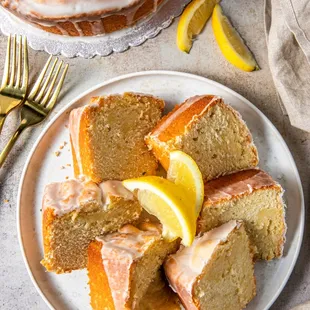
(119, 250)
(74, 128)
(129, 242)
(61, 8)
(187, 264)
(52, 13)
(64, 197)
(114, 188)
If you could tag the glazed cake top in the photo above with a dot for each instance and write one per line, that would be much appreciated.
(67, 196)
(62, 8)
(188, 263)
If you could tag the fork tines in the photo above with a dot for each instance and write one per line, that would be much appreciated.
(16, 60)
(46, 89)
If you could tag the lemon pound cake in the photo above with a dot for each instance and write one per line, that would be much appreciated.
(254, 197)
(122, 265)
(81, 17)
(107, 136)
(159, 296)
(208, 130)
(75, 212)
(216, 272)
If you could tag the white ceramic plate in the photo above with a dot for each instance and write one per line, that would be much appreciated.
(70, 291)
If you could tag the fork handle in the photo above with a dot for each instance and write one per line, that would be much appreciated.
(11, 142)
(2, 118)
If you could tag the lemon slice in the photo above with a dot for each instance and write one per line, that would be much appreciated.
(169, 203)
(192, 22)
(231, 43)
(183, 171)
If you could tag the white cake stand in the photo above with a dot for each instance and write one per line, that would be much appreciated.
(88, 47)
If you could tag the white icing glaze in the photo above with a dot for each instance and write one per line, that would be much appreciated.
(188, 263)
(129, 242)
(119, 250)
(115, 188)
(74, 129)
(61, 8)
(62, 197)
(68, 196)
(97, 27)
(50, 13)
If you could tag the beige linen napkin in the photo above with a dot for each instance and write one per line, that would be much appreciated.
(305, 306)
(288, 40)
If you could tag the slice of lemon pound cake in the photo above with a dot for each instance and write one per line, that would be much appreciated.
(208, 130)
(107, 136)
(254, 197)
(159, 296)
(75, 212)
(122, 265)
(216, 272)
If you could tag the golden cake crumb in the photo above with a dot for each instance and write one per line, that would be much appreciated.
(57, 153)
(105, 131)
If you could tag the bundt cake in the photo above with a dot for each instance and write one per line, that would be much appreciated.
(81, 18)
(254, 197)
(216, 272)
(107, 136)
(208, 130)
(75, 212)
(122, 265)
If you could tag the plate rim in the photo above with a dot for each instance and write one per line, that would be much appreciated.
(148, 73)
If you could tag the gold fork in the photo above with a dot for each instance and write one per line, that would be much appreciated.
(15, 80)
(40, 101)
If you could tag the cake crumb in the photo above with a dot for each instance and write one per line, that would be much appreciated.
(63, 145)
(62, 167)
(57, 153)
(68, 165)
(67, 177)
(5, 200)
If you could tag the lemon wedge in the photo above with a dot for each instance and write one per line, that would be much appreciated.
(192, 22)
(169, 203)
(231, 43)
(184, 172)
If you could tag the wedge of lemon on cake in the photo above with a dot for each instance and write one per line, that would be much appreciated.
(175, 202)
(192, 22)
(184, 172)
(230, 42)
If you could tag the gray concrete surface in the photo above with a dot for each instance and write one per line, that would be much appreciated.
(16, 289)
